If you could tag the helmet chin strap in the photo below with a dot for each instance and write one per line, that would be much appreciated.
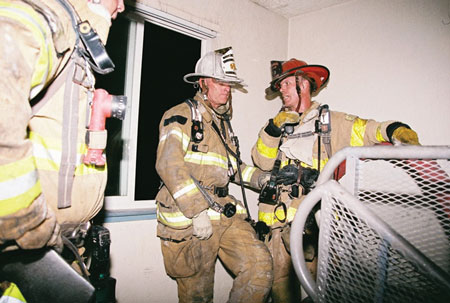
(297, 86)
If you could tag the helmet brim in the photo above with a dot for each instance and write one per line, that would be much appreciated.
(192, 78)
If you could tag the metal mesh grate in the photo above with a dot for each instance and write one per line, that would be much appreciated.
(356, 264)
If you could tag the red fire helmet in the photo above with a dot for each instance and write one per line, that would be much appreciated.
(281, 69)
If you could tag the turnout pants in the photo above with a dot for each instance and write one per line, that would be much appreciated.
(192, 263)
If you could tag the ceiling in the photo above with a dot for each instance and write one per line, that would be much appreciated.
(292, 8)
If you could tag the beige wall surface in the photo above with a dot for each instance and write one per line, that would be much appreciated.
(388, 60)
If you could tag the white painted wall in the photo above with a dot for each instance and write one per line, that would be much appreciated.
(389, 59)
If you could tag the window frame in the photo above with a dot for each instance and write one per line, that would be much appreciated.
(124, 206)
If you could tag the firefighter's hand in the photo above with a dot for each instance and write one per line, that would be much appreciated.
(308, 178)
(48, 233)
(283, 118)
(202, 225)
(263, 178)
(288, 175)
(405, 135)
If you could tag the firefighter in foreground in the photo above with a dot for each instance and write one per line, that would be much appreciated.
(48, 51)
(198, 220)
(297, 144)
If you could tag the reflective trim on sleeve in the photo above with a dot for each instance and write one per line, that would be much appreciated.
(19, 186)
(284, 163)
(32, 20)
(358, 131)
(270, 218)
(189, 189)
(178, 220)
(247, 173)
(264, 150)
(206, 159)
(178, 133)
(12, 295)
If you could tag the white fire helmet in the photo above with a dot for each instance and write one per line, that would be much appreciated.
(218, 64)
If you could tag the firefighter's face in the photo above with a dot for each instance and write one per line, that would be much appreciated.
(114, 7)
(289, 93)
(217, 92)
(291, 99)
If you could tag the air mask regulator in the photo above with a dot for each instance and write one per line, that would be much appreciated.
(103, 106)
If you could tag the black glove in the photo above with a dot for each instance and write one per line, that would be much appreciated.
(308, 178)
(288, 175)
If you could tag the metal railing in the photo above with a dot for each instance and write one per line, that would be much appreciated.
(384, 229)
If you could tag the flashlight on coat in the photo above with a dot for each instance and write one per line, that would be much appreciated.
(103, 106)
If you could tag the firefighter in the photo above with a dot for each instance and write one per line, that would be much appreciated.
(303, 136)
(47, 83)
(197, 158)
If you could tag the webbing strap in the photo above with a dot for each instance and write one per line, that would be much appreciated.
(69, 141)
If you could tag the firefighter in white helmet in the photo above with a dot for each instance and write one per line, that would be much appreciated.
(198, 220)
(303, 136)
(46, 84)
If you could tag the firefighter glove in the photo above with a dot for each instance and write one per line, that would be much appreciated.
(405, 135)
(202, 225)
(308, 178)
(48, 233)
(288, 175)
(263, 178)
(283, 118)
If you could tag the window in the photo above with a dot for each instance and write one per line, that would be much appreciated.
(152, 52)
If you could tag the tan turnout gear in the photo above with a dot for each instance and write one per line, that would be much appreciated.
(346, 130)
(44, 102)
(187, 259)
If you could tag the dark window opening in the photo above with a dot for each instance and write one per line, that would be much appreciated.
(168, 56)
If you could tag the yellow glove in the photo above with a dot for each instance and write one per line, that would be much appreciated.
(286, 117)
(405, 135)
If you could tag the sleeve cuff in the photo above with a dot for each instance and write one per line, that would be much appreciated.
(272, 130)
(392, 127)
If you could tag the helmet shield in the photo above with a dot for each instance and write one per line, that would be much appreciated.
(218, 64)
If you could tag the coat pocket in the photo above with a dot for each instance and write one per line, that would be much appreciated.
(181, 259)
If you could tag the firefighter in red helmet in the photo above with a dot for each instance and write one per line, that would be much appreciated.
(301, 138)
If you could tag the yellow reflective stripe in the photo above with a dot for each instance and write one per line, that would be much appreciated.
(177, 219)
(248, 173)
(315, 163)
(19, 200)
(270, 218)
(19, 185)
(266, 151)
(12, 295)
(189, 189)
(358, 131)
(379, 135)
(206, 159)
(178, 133)
(32, 20)
(47, 152)
(284, 163)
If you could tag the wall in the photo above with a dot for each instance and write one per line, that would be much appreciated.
(257, 36)
(388, 60)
